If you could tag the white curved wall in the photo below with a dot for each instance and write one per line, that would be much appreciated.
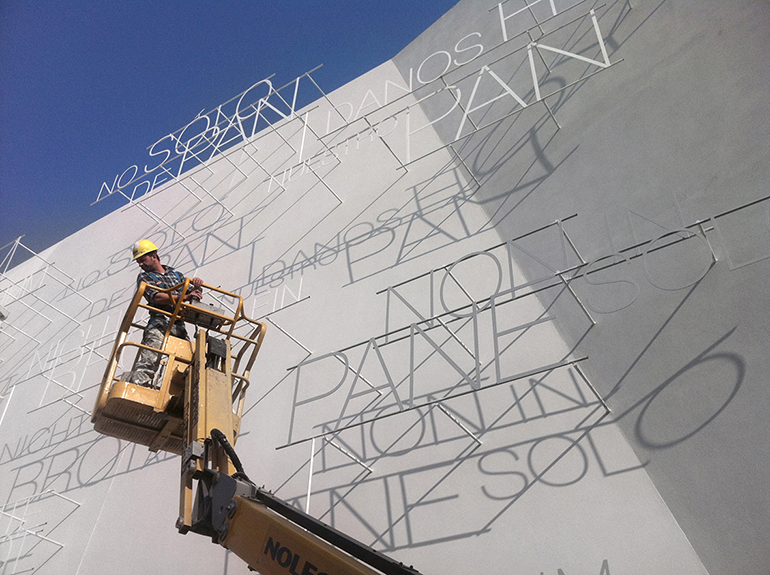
(484, 448)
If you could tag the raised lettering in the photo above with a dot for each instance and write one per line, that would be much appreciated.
(507, 91)
(460, 50)
(446, 67)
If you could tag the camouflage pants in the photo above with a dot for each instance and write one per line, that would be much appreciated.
(147, 361)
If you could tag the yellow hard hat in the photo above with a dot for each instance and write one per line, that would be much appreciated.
(143, 247)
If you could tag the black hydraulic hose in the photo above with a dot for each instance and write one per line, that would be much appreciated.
(221, 438)
(337, 539)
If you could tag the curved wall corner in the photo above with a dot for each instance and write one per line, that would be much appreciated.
(516, 287)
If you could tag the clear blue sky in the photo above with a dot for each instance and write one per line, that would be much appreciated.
(87, 85)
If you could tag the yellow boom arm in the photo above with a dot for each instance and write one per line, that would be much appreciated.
(194, 408)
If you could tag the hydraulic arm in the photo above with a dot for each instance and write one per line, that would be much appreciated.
(272, 536)
(194, 408)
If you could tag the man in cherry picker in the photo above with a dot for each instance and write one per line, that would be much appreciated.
(163, 276)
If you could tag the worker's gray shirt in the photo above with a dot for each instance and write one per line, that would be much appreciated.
(166, 280)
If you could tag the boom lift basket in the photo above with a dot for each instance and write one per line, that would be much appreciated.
(154, 415)
(194, 408)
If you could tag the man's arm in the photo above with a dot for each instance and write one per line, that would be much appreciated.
(196, 292)
(162, 298)
(158, 299)
(150, 291)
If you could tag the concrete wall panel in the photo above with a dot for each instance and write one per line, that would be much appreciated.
(503, 264)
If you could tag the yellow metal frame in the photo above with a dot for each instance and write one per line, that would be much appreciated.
(196, 412)
(207, 405)
(154, 417)
(273, 545)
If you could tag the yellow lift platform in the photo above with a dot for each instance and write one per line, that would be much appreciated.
(194, 408)
(154, 416)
